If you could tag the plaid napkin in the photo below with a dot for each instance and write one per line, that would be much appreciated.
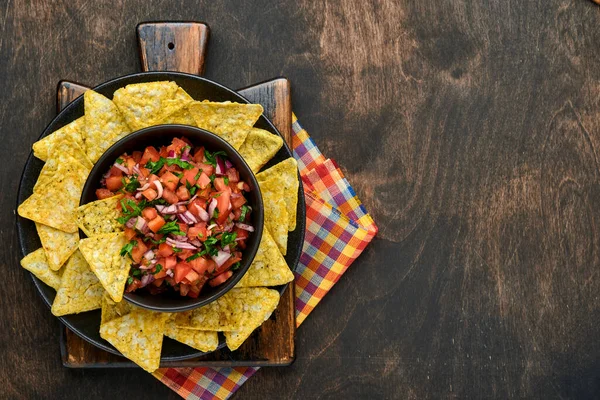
(338, 229)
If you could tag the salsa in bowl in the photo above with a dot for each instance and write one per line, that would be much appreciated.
(191, 210)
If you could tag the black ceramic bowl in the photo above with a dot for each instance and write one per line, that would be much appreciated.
(162, 135)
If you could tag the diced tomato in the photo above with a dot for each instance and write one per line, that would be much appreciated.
(208, 169)
(189, 176)
(165, 250)
(138, 251)
(192, 276)
(137, 156)
(220, 184)
(203, 265)
(133, 286)
(170, 262)
(184, 289)
(158, 282)
(145, 172)
(198, 231)
(184, 254)
(170, 196)
(161, 274)
(243, 186)
(183, 227)
(199, 155)
(227, 265)
(152, 178)
(203, 180)
(114, 183)
(156, 223)
(182, 193)
(223, 206)
(176, 146)
(114, 171)
(194, 205)
(150, 194)
(233, 175)
(169, 180)
(220, 279)
(237, 202)
(102, 194)
(149, 213)
(130, 233)
(150, 154)
(194, 291)
(129, 163)
(181, 270)
(241, 234)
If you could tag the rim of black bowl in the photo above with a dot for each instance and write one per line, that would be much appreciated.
(131, 143)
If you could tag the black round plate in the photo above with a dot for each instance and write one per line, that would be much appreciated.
(87, 325)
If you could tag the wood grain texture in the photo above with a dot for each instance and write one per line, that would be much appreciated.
(66, 92)
(173, 46)
(470, 130)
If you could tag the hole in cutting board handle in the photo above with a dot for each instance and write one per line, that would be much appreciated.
(171, 45)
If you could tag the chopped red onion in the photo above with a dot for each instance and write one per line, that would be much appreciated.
(196, 243)
(138, 195)
(202, 214)
(136, 169)
(229, 206)
(180, 244)
(149, 255)
(228, 164)
(226, 249)
(228, 227)
(236, 195)
(131, 222)
(220, 170)
(190, 217)
(181, 238)
(159, 188)
(146, 267)
(210, 227)
(170, 272)
(146, 280)
(221, 257)
(171, 154)
(146, 186)
(185, 156)
(245, 227)
(141, 225)
(122, 168)
(211, 207)
(183, 218)
(172, 209)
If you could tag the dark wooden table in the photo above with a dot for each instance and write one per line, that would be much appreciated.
(469, 129)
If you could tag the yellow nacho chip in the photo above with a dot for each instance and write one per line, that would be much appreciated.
(79, 290)
(237, 310)
(287, 173)
(67, 135)
(36, 263)
(276, 215)
(64, 190)
(58, 245)
(230, 121)
(181, 116)
(57, 158)
(99, 216)
(257, 305)
(200, 340)
(112, 310)
(147, 104)
(268, 267)
(104, 124)
(260, 146)
(102, 253)
(138, 335)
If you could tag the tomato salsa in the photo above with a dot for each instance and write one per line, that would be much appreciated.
(185, 216)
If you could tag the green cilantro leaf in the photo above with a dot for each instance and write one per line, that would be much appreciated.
(177, 250)
(228, 238)
(129, 280)
(211, 158)
(245, 210)
(171, 227)
(194, 256)
(226, 180)
(128, 248)
(157, 269)
(155, 166)
(119, 161)
(130, 184)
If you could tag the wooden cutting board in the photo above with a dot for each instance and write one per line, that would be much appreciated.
(181, 46)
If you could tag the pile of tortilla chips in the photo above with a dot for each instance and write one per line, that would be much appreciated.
(90, 273)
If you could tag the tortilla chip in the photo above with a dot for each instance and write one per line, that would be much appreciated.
(257, 306)
(58, 245)
(276, 215)
(287, 173)
(59, 157)
(181, 116)
(230, 121)
(79, 290)
(201, 340)
(147, 104)
(112, 310)
(70, 134)
(260, 146)
(55, 204)
(104, 124)
(138, 335)
(237, 310)
(268, 267)
(36, 263)
(102, 253)
(99, 216)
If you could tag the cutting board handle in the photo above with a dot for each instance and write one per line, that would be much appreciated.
(173, 46)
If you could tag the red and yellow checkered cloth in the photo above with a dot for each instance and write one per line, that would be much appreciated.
(338, 229)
